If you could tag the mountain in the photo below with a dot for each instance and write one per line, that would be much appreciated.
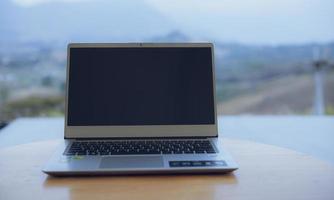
(87, 21)
(173, 36)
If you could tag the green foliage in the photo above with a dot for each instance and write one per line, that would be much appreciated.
(33, 106)
(330, 110)
(4, 92)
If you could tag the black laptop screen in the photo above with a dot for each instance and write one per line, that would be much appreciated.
(140, 86)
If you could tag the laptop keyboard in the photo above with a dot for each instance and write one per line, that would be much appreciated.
(134, 147)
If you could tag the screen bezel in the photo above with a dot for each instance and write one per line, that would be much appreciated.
(140, 131)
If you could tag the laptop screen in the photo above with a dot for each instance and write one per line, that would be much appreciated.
(140, 86)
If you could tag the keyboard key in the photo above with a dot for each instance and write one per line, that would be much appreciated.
(134, 147)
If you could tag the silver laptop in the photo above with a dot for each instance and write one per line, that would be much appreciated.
(140, 108)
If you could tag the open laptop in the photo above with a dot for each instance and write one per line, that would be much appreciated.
(140, 108)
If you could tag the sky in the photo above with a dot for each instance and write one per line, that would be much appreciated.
(246, 21)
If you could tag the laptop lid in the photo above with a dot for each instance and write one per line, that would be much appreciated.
(140, 90)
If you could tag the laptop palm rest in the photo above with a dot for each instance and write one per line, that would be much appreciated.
(132, 162)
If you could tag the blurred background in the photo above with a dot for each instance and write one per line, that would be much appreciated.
(272, 57)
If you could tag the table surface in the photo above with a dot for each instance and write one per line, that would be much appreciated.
(266, 172)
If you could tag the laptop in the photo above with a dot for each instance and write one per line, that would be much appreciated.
(140, 108)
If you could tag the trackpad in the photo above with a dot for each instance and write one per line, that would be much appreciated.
(132, 162)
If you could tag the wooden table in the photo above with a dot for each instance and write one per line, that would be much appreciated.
(266, 172)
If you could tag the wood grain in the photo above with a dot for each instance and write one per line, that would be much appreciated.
(266, 172)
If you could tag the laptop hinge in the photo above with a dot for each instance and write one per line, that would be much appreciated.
(142, 138)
